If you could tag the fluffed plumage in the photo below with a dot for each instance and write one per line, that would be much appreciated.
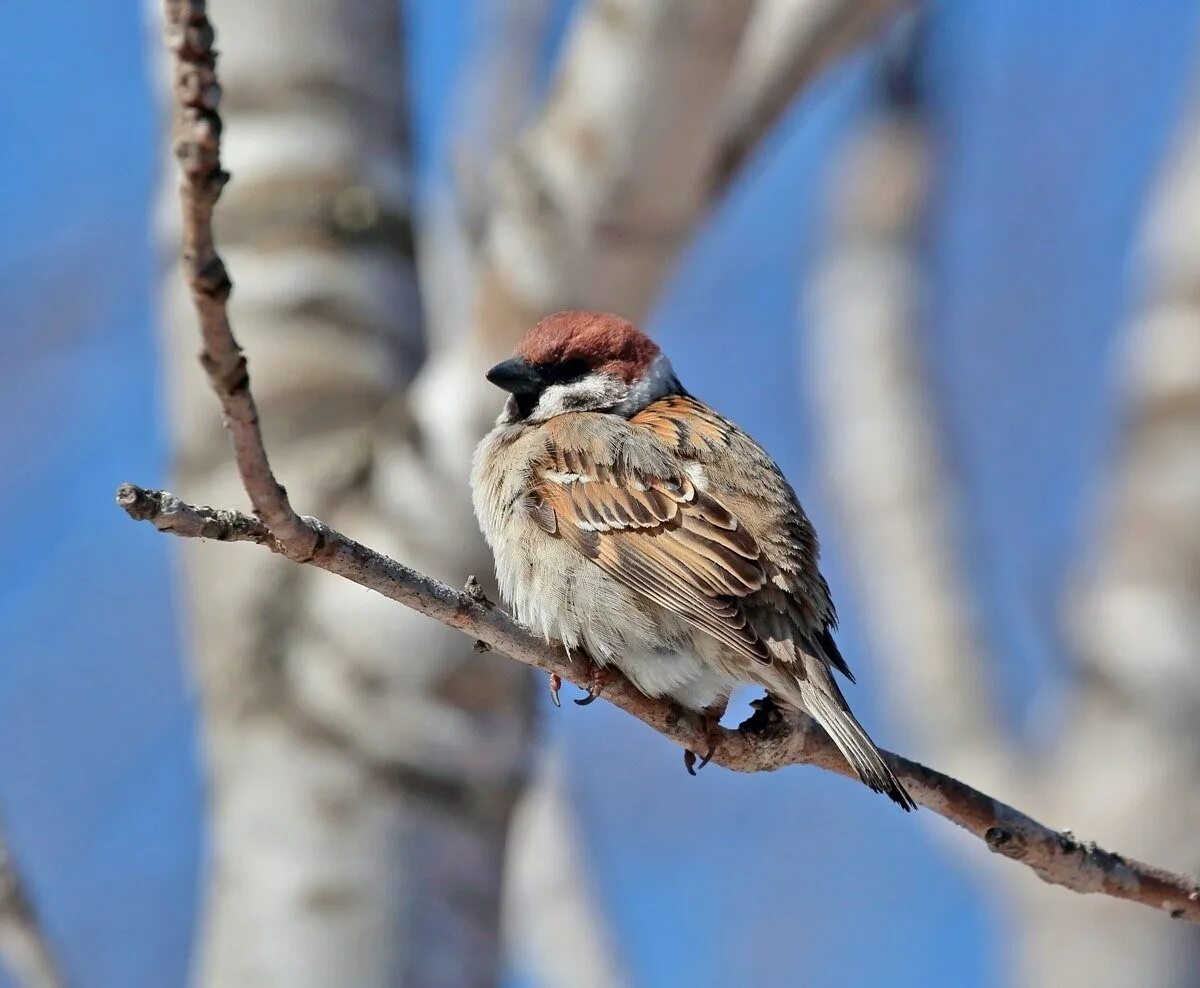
(630, 520)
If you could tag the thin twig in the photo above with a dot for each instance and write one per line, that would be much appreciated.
(762, 744)
(758, 745)
(197, 126)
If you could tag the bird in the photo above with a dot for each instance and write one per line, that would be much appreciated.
(633, 523)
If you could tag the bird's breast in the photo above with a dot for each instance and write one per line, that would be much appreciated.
(551, 588)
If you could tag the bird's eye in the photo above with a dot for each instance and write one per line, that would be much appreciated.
(564, 372)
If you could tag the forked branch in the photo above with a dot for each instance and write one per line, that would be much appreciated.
(766, 742)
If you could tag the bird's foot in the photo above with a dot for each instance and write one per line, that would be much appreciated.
(555, 686)
(710, 719)
(597, 680)
(766, 720)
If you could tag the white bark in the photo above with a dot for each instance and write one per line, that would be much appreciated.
(1131, 731)
(398, 776)
(25, 951)
(882, 452)
(788, 44)
(491, 103)
(629, 122)
(359, 804)
(554, 928)
(1129, 734)
(598, 197)
(558, 931)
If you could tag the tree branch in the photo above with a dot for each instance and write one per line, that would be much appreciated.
(197, 133)
(788, 45)
(764, 743)
(768, 741)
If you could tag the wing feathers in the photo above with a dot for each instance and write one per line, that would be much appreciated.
(661, 536)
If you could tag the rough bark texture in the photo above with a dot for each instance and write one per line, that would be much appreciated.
(362, 762)
(768, 741)
(1128, 735)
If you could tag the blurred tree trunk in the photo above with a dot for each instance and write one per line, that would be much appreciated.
(882, 452)
(1120, 767)
(26, 954)
(362, 761)
(595, 201)
(556, 930)
(1134, 627)
(565, 219)
(361, 796)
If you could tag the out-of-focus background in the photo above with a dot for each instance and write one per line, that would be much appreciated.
(942, 259)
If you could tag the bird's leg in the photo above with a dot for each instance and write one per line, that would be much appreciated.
(555, 686)
(710, 720)
(597, 679)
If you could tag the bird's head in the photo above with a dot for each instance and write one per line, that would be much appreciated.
(583, 362)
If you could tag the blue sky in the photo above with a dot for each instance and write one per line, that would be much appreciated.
(1050, 119)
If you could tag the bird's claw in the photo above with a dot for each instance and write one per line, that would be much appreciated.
(693, 763)
(710, 718)
(555, 686)
(595, 686)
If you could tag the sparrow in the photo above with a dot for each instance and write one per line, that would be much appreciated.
(633, 523)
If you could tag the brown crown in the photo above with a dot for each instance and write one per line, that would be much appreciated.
(602, 341)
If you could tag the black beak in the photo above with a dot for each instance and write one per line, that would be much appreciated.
(517, 377)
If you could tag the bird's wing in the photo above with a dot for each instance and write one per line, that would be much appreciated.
(644, 521)
(796, 606)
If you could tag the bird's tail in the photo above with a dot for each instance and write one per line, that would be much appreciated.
(830, 710)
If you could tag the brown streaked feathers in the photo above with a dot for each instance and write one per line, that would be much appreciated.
(674, 543)
(659, 535)
(634, 521)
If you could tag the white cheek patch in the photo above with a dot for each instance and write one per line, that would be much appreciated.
(592, 393)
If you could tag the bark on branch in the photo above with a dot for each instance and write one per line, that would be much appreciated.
(197, 140)
(768, 741)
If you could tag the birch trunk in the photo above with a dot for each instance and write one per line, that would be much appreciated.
(362, 761)
(1129, 742)
(1129, 749)
(596, 200)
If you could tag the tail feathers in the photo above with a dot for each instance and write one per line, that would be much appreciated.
(853, 742)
